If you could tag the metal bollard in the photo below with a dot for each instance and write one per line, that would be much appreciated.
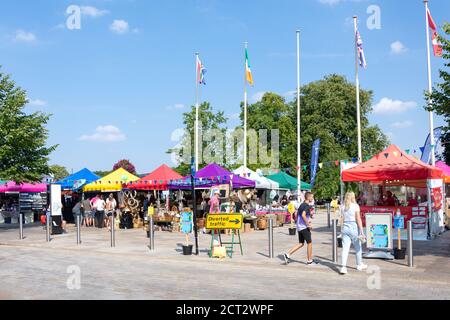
(47, 224)
(113, 231)
(152, 234)
(78, 229)
(410, 245)
(329, 215)
(334, 242)
(21, 226)
(271, 251)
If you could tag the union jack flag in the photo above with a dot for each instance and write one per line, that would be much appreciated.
(362, 57)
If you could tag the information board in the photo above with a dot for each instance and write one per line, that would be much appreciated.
(379, 231)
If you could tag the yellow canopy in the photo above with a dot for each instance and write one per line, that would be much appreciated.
(111, 182)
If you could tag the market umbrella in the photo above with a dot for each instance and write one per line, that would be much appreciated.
(78, 180)
(22, 187)
(288, 182)
(112, 182)
(261, 182)
(157, 180)
(446, 169)
(212, 175)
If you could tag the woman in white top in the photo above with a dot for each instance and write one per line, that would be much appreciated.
(352, 231)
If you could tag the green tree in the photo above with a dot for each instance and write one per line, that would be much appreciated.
(102, 174)
(24, 155)
(59, 172)
(209, 119)
(328, 112)
(441, 94)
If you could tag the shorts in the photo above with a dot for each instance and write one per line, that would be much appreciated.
(109, 214)
(305, 236)
(87, 214)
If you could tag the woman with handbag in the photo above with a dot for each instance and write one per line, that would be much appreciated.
(352, 232)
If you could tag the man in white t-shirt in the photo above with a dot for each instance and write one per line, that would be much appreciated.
(100, 205)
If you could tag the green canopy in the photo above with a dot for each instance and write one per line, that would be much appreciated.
(288, 182)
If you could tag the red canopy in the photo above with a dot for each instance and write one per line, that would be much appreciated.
(392, 164)
(157, 180)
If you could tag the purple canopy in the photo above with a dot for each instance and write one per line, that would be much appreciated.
(212, 175)
(25, 187)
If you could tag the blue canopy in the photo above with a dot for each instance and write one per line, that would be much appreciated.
(78, 180)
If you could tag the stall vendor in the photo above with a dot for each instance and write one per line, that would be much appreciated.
(390, 199)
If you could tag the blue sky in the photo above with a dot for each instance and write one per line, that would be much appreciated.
(117, 87)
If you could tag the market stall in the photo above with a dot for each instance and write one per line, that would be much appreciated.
(261, 182)
(397, 183)
(288, 182)
(157, 180)
(446, 169)
(78, 180)
(112, 182)
(212, 175)
(28, 199)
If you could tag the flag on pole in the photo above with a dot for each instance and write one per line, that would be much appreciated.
(248, 70)
(437, 47)
(362, 57)
(201, 71)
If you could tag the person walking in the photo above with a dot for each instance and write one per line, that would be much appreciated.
(304, 227)
(100, 205)
(352, 232)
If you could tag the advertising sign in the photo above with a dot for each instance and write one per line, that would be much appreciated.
(379, 231)
(224, 221)
(186, 222)
(55, 198)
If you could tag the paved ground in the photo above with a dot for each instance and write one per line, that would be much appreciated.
(34, 269)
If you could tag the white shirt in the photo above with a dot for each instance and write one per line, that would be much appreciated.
(100, 205)
(350, 214)
(112, 203)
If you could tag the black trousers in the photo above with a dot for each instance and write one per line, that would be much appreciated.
(99, 215)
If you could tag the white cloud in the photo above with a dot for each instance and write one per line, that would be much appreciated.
(23, 36)
(178, 106)
(93, 11)
(387, 105)
(257, 97)
(107, 133)
(119, 27)
(37, 102)
(402, 124)
(398, 48)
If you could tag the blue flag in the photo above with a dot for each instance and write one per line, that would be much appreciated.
(314, 161)
(426, 149)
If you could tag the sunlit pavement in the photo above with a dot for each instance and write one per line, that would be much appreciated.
(35, 269)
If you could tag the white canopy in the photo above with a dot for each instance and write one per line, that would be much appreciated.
(261, 182)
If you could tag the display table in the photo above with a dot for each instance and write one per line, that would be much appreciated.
(418, 215)
(276, 212)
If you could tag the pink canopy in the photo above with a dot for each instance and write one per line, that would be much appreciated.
(25, 187)
(441, 165)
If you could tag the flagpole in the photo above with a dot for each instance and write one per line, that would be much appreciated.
(196, 112)
(358, 104)
(299, 161)
(430, 85)
(245, 113)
